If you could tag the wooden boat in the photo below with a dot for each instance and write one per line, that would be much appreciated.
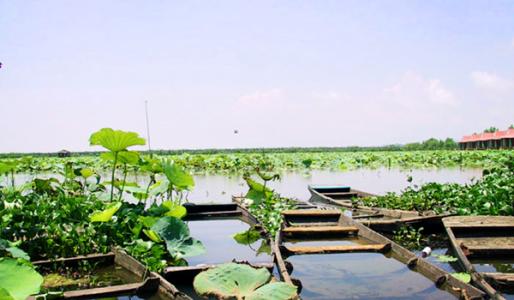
(484, 238)
(349, 236)
(381, 219)
(147, 283)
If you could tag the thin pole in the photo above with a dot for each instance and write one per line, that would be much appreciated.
(147, 127)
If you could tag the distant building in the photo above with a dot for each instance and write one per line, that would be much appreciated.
(64, 153)
(488, 140)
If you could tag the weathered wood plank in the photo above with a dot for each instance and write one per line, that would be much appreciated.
(479, 221)
(337, 248)
(320, 230)
(506, 278)
(311, 212)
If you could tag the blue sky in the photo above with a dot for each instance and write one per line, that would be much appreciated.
(284, 73)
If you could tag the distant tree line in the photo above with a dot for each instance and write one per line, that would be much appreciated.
(433, 144)
(430, 144)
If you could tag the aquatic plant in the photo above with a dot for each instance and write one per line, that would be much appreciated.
(242, 282)
(117, 142)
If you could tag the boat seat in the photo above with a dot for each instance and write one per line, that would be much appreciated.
(337, 249)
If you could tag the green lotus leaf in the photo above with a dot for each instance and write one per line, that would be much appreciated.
(106, 214)
(177, 176)
(87, 172)
(176, 235)
(274, 291)
(18, 281)
(4, 295)
(247, 237)
(462, 276)
(115, 140)
(240, 281)
(124, 157)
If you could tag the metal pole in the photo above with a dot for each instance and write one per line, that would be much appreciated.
(147, 127)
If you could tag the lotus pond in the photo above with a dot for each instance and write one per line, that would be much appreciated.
(64, 207)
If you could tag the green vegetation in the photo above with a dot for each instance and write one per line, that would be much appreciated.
(409, 237)
(240, 163)
(241, 281)
(77, 213)
(493, 194)
(491, 129)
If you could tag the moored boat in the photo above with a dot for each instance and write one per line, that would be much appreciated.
(381, 219)
(484, 246)
(348, 260)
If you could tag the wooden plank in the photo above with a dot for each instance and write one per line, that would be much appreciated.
(130, 288)
(487, 243)
(479, 221)
(312, 224)
(320, 230)
(506, 278)
(89, 257)
(337, 248)
(311, 212)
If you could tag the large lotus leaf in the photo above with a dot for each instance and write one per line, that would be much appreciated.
(176, 235)
(4, 295)
(124, 157)
(230, 280)
(87, 172)
(115, 140)
(274, 291)
(177, 176)
(18, 281)
(106, 214)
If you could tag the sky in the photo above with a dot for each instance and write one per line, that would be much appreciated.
(281, 73)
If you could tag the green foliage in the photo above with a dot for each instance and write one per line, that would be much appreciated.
(241, 281)
(175, 234)
(177, 176)
(18, 281)
(409, 237)
(106, 214)
(491, 195)
(491, 129)
(115, 140)
(247, 237)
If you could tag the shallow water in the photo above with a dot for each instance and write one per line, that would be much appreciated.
(360, 276)
(216, 236)
(220, 188)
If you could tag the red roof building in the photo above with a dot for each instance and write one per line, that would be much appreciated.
(503, 139)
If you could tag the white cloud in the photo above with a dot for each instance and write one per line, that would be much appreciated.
(491, 81)
(413, 90)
